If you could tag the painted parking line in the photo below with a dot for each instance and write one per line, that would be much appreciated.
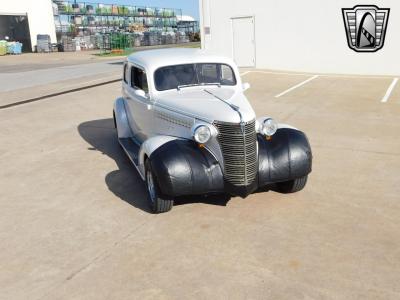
(389, 90)
(297, 86)
(320, 75)
(273, 73)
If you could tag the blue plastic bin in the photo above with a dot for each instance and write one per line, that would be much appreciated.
(18, 48)
(14, 48)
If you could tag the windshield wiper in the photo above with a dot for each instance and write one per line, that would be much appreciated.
(211, 83)
(186, 85)
(198, 84)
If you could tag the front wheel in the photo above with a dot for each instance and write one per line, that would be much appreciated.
(157, 204)
(115, 120)
(292, 186)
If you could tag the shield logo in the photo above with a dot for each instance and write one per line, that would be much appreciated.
(365, 27)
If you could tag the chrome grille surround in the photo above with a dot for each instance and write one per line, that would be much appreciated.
(238, 144)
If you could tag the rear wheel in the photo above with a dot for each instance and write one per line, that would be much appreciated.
(157, 204)
(292, 186)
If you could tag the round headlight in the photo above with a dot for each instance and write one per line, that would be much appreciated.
(269, 127)
(202, 134)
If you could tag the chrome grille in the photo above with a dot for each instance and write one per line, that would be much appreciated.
(239, 150)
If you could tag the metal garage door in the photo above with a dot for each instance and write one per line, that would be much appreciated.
(16, 28)
(243, 41)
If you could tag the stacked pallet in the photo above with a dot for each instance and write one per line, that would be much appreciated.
(152, 38)
(68, 45)
(43, 43)
(168, 38)
(137, 40)
(182, 37)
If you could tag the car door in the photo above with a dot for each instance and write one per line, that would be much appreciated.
(139, 106)
(126, 87)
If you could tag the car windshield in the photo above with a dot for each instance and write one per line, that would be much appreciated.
(181, 76)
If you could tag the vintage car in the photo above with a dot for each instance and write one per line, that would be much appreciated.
(186, 125)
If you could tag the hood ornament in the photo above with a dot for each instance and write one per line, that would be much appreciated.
(234, 107)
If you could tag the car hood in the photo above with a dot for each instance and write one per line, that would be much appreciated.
(204, 104)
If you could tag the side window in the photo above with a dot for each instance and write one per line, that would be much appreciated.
(139, 79)
(126, 76)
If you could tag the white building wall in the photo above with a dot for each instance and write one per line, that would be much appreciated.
(307, 35)
(40, 16)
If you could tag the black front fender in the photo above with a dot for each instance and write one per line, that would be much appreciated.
(181, 167)
(286, 156)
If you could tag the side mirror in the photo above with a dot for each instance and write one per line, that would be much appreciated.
(140, 93)
(245, 86)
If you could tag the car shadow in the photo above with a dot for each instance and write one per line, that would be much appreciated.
(126, 182)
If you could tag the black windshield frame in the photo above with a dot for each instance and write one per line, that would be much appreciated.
(194, 80)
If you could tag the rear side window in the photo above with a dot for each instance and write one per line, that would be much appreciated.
(126, 74)
(139, 79)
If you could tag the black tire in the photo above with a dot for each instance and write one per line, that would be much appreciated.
(116, 128)
(157, 204)
(292, 186)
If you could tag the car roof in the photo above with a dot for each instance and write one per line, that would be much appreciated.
(154, 59)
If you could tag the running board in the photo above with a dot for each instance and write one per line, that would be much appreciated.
(131, 149)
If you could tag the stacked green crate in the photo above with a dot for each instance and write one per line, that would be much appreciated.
(3, 47)
(131, 10)
(82, 8)
(168, 13)
(105, 9)
(130, 21)
(85, 21)
(160, 12)
(123, 10)
(121, 22)
(150, 11)
(119, 41)
(67, 7)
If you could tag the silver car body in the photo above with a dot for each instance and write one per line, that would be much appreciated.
(157, 117)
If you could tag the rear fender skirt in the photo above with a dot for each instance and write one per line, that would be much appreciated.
(121, 119)
(181, 167)
(286, 156)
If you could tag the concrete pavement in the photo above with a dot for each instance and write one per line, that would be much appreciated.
(21, 80)
(75, 224)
